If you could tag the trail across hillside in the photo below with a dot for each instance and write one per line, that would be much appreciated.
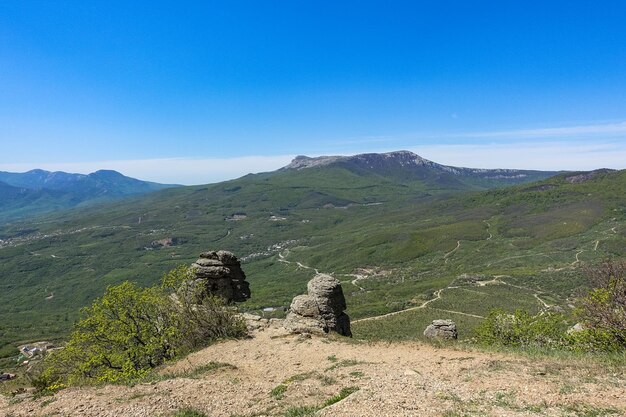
(447, 255)
(437, 295)
(488, 229)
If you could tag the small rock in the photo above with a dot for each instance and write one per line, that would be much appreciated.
(441, 329)
(6, 376)
(578, 327)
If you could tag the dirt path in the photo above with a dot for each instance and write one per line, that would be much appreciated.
(577, 261)
(547, 255)
(437, 295)
(282, 258)
(356, 280)
(543, 303)
(389, 379)
(447, 255)
(488, 231)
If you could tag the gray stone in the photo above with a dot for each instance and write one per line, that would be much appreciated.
(305, 305)
(217, 274)
(578, 327)
(321, 310)
(441, 329)
(6, 376)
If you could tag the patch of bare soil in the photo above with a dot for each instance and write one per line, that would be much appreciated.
(272, 373)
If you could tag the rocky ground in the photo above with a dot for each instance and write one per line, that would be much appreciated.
(274, 374)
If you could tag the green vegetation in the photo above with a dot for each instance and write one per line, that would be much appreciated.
(307, 411)
(410, 325)
(602, 313)
(524, 330)
(342, 394)
(418, 235)
(603, 310)
(303, 411)
(131, 330)
(23, 195)
(189, 412)
(278, 392)
(344, 363)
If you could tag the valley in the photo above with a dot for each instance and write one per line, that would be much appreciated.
(434, 245)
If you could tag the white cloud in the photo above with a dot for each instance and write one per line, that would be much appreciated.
(607, 129)
(562, 155)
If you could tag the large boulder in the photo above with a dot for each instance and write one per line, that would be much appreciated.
(321, 310)
(441, 329)
(218, 274)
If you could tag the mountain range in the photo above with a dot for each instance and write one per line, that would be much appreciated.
(396, 229)
(37, 191)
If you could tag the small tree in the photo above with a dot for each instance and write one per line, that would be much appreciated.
(131, 330)
(603, 310)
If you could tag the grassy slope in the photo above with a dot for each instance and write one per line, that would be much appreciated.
(63, 262)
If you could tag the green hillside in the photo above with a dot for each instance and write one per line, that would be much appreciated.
(394, 244)
(25, 195)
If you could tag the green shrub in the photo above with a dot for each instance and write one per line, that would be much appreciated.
(594, 340)
(603, 310)
(523, 330)
(131, 330)
(278, 391)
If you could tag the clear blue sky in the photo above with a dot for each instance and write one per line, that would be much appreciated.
(84, 83)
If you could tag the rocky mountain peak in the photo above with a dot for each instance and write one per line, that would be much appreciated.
(404, 158)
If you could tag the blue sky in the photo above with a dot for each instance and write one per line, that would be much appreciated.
(196, 92)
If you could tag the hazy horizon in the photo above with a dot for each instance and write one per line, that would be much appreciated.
(205, 92)
(191, 171)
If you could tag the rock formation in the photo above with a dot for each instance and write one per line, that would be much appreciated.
(441, 329)
(219, 274)
(321, 310)
(5, 376)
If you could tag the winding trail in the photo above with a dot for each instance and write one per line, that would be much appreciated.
(520, 256)
(488, 231)
(533, 291)
(458, 245)
(356, 280)
(437, 295)
(307, 267)
(281, 258)
(577, 261)
(459, 313)
(497, 280)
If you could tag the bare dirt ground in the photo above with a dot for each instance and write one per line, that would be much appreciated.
(393, 379)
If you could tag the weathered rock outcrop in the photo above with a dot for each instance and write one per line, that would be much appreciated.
(219, 274)
(321, 310)
(5, 376)
(441, 329)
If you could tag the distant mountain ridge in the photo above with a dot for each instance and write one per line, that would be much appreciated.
(407, 164)
(102, 180)
(39, 191)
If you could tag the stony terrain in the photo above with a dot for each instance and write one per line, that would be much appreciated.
(272, 373)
